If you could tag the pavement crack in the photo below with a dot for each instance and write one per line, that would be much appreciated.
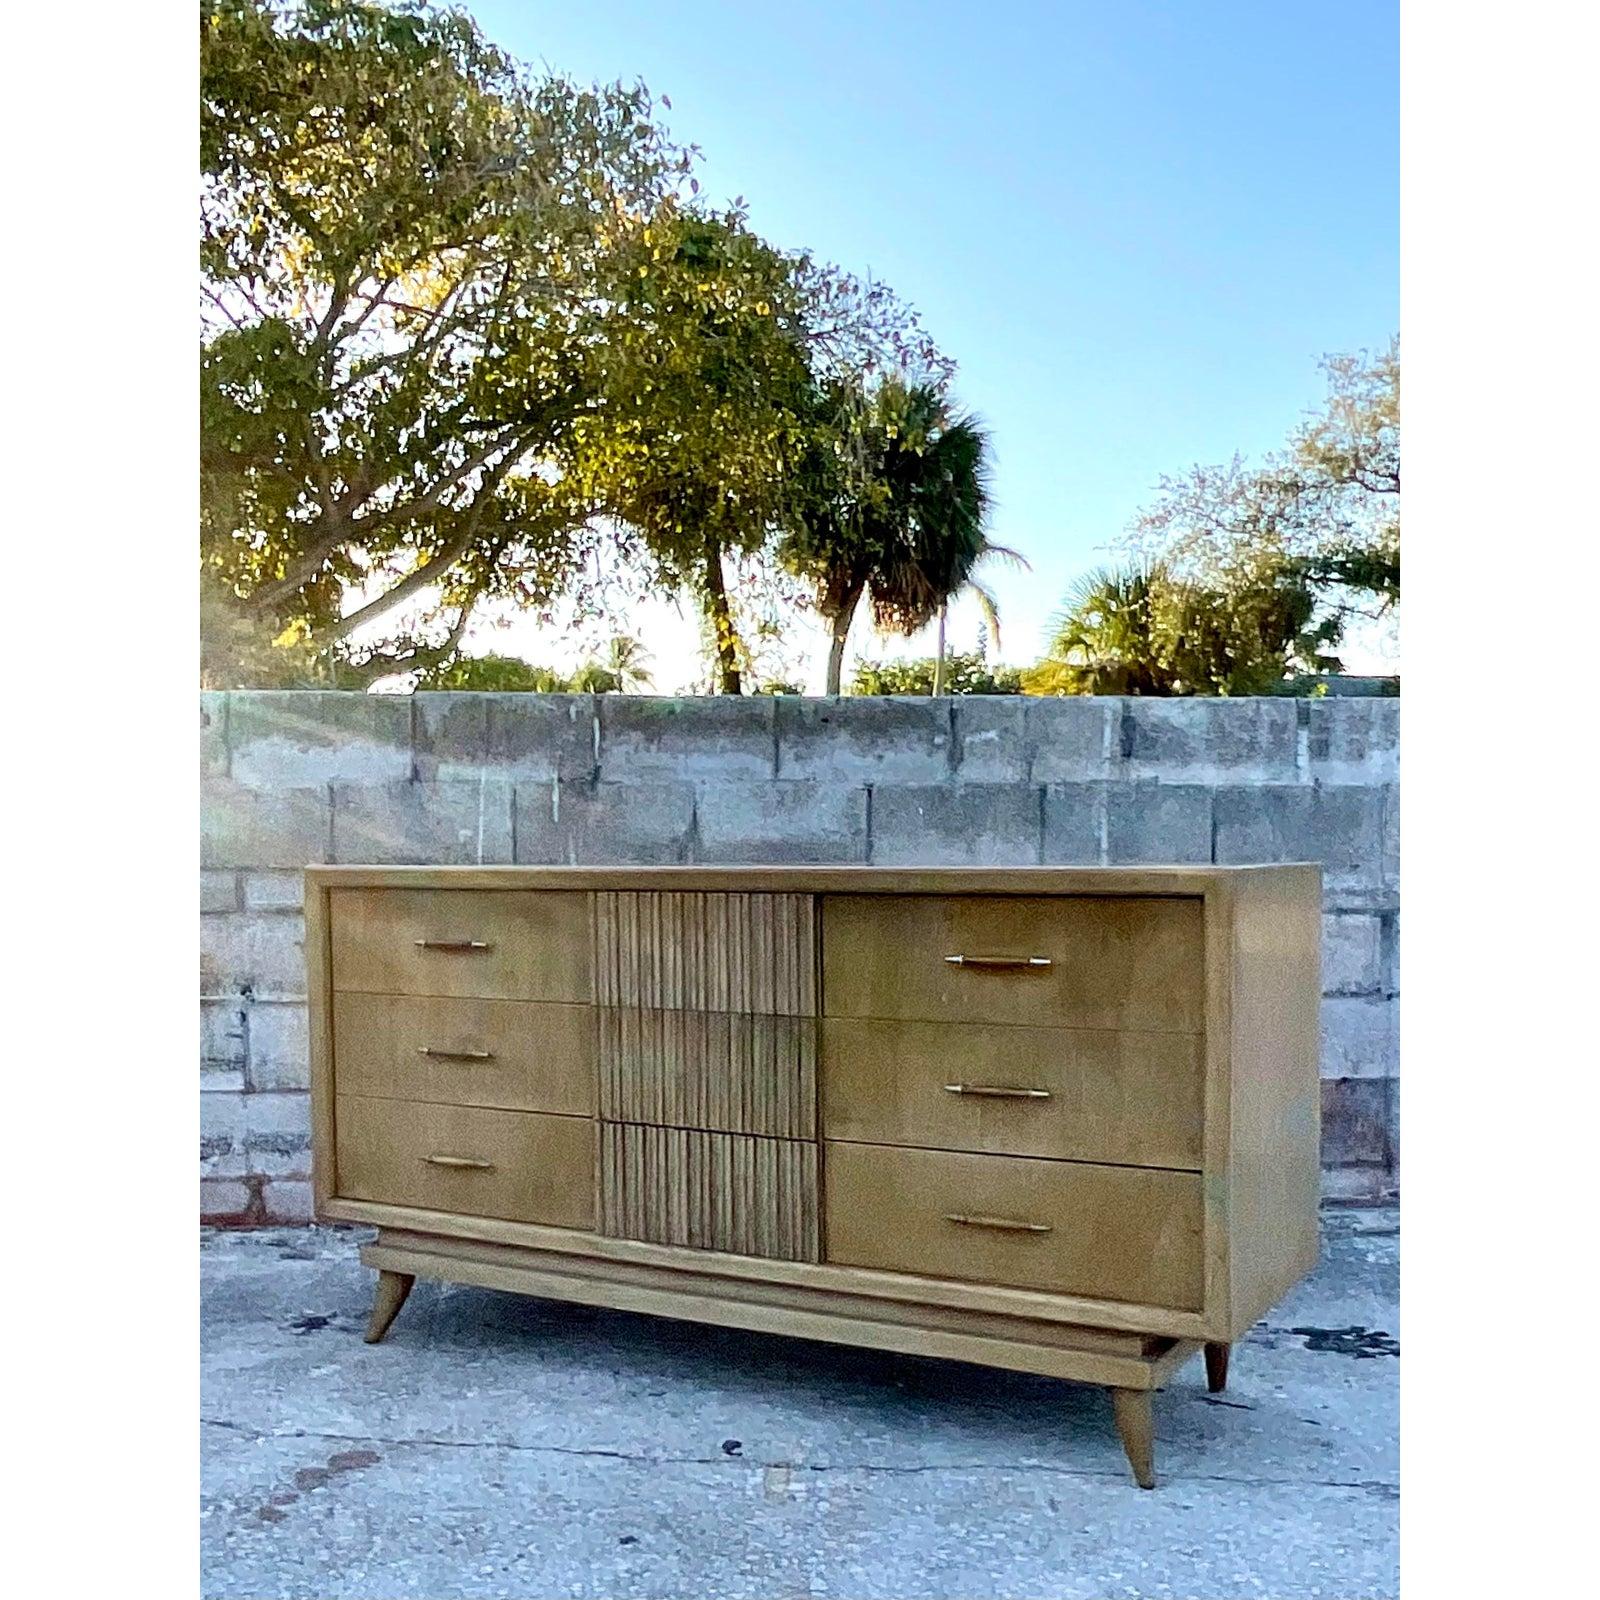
(907, 1469)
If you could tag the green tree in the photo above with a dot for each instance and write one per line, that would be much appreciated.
(500, 673)
(1146, 631)
(893, 494)
(963, 674)
(988, 605)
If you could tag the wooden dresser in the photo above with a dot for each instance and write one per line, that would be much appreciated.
(1062, 1120)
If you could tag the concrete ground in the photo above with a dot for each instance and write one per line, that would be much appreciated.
(502, 1446)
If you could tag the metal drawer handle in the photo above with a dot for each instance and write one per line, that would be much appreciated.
(454, 1055)
(1006, 1224)
(452, 944)
(997, 1091)
(459, 1161)
(1000, 963)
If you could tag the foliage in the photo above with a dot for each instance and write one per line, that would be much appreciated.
(1325, 510)
(1147, 631)
(463, 325)
(964, 674)
(893, 495)
(620, 670)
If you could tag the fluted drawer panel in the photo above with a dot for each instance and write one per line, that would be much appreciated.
(710, 1191)
(745, 953)
(709, 1069)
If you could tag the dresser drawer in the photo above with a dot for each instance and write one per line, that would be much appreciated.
(521, 1054)
(1070, 961)
(492, 944)
(1106, 1233)
(1130, 1098)
(523, 1166)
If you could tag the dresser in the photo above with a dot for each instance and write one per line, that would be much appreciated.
(1062, 1120)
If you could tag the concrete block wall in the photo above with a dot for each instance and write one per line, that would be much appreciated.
(292, 778)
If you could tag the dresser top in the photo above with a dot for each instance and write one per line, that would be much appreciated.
(1140, 880)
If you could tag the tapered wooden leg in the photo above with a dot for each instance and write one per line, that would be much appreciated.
(1137, 1426)
(1217, 1367)
(393, 1287)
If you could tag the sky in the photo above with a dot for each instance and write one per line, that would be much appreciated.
(1136, 227)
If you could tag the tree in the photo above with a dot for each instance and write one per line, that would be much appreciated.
(892, 500)
(493, 672)
(963, 674)
(1147, 631)
(988, 604)
(1327, 507)
(401, 239)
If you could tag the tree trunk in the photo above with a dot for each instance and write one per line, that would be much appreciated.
(938, 658)
(722, 622)
(841, 629)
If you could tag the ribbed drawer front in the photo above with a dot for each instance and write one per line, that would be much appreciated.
(710, 1191)
(522, 1166)
(492, 944)
(1108, 1233)
(1066, 961)
(1130, 1098)
(519, 1054)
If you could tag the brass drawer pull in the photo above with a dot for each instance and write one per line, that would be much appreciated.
(1005, 1224)
(1000, 963)
(452, 944)
(459, 1161)
(454, 1055)
(997, 1091)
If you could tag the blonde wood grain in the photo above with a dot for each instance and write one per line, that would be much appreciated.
(524, 1166)
(541, 1057)
(1113, 963)
(732, 952)
(538, 945)
(710, 1191)
(1136, 1426)
(912, 1288)
(1117, 1233)
(1274, 1116)
(711, 1070)
(668, 1295)
(1133, 1098)
(319, 1018)
(388, 1297)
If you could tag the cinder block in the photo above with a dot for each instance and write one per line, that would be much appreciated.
(968, 824)
(1158, 823)
(1076, 818)
(445, 824)
(859, 739)
(291, 740)
(661, 738)
(274, 891)
(583, 824)
(242, 827)
(253, 953)
(1341, 828)
(286, 1200)
(539, 737)
(1354, 740)
(1394, 1130)
(1390, 946)
(223, 1200)
(780, 823)
(1209, 741)
(1071, 738)
(450, 735)
(1360, 1037)
(1355, 1122)
(223, 1046)
(1391, 836)
(1351, 953)
(1356, 1185)
(279, 1046)
(278, 1135)
(213, 734)
(219, 891)
(991, 743)
(222, 1135)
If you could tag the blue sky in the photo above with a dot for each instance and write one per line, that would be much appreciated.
(1135, 226)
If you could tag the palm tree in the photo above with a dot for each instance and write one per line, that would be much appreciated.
(626, 659)
(988, 604)
(1105, 641)
(893, 497)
